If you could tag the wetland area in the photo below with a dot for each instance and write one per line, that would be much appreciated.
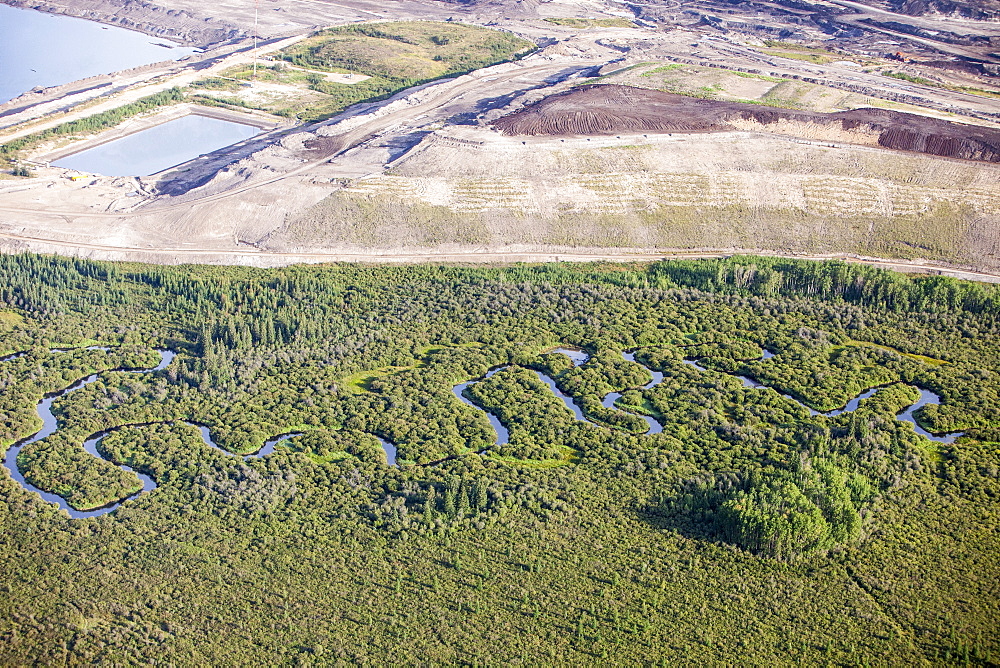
(513, 438)
(576, 356)
(50, 424)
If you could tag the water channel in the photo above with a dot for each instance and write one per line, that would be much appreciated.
(609, 401)
(38, 49)
(157, 148)
(49, 427)
(390, 451)
(91, 445)
(580, 357)
(926, 398)
(503, 435)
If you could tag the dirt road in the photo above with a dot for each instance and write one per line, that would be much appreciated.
(435, 97)
(270, 259)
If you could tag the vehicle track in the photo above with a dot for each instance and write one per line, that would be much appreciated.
(346, 141)
(410, 257)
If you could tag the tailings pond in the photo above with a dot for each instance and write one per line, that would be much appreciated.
(159, 147)
(42, 50)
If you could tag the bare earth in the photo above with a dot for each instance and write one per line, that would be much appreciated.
(517, 163)
(610, 109)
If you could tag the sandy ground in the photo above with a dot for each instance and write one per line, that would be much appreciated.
(470, 194)
(270, 202)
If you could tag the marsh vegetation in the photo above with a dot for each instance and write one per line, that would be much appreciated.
(749, 526)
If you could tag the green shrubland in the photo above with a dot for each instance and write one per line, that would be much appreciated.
(747, 531)
(396, 56)
(591, 23)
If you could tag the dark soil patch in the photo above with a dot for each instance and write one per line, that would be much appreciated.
(321, 147)
(611, 109)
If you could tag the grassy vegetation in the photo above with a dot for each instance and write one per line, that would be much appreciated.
(733, 85)
(979, 91)
(219, 83)
(773, 102)
(10, 318)
(811, 54)
(394, 55)
(409, 50)
(386, 58)
(909, 77)
(759, 77)
(938, 84)
(592, 23)
(672, 67)
(748, 528)
(924, 359)
(239, 88)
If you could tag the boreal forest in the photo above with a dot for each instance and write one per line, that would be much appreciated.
(741, 461)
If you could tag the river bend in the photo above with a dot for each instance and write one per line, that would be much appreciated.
(91, 444)
(580, 357)
(926, 398)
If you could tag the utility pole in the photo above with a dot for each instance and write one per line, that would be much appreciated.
(256, 10)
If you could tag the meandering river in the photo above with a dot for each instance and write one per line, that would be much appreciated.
(927, 397)
(50, 425)
(578, 357)
(581, 357)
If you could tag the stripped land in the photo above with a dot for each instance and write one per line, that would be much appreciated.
(611, 109)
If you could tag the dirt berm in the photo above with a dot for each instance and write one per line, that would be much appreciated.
(611, 109)
(142, 16)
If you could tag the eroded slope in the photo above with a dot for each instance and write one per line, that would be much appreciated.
(467, 188)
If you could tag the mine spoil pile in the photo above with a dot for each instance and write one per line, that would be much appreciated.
(611, 109)
(980, 10)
